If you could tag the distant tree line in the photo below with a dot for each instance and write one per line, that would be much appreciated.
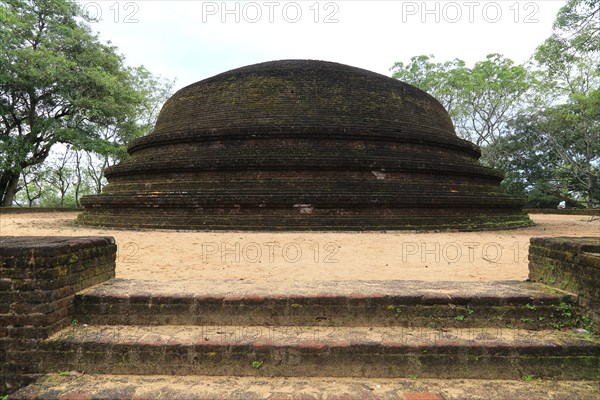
(539, 122)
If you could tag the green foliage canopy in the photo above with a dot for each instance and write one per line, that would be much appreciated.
(60, 84)
(480, 100)
(539, 122)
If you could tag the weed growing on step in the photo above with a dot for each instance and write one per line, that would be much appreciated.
(529, 378)
(257, 364)
(585, 322)
(468, 312)
(75, 374)
(565, 316)
(74, 323)
(395, 309)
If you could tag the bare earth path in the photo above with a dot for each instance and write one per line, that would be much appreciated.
(276, 258)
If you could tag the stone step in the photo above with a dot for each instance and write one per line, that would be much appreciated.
(327, 303)
(110, 387)
(371, 352)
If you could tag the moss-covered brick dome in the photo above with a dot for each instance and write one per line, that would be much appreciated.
(303, 145)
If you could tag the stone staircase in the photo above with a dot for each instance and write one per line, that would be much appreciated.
(332, 340)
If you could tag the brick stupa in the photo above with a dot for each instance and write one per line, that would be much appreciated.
(303, 145)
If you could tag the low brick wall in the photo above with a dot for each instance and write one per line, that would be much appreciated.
(39, 277)
(568, 211)
(571, 264)
(27, 210)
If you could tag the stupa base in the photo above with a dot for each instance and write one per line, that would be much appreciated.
(306, 219)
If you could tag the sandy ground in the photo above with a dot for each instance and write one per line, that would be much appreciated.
(302, 256)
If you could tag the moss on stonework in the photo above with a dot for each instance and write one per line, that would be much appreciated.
(361, 150)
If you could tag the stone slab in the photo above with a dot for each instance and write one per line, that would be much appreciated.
(373, 352)
(324, 303)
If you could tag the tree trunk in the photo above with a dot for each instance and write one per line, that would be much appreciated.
(79, 178)
(590, 188)
(3, 183)
(8, 187)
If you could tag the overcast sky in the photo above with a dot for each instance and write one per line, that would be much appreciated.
(193, 40)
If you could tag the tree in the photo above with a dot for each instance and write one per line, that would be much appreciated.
(60, 84)
(578, 22)
(61, 181)
(60, 176)
(480, 100)
(492, 94)
(548, 156)
(539, 123)
(444, 81)
(32, 183)
(570, 61)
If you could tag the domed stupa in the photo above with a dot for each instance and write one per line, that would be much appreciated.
(303, 145)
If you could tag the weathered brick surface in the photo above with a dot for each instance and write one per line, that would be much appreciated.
(303, 145)
(39, 277)
(569, 263)
(324, 303)
(312, 351)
